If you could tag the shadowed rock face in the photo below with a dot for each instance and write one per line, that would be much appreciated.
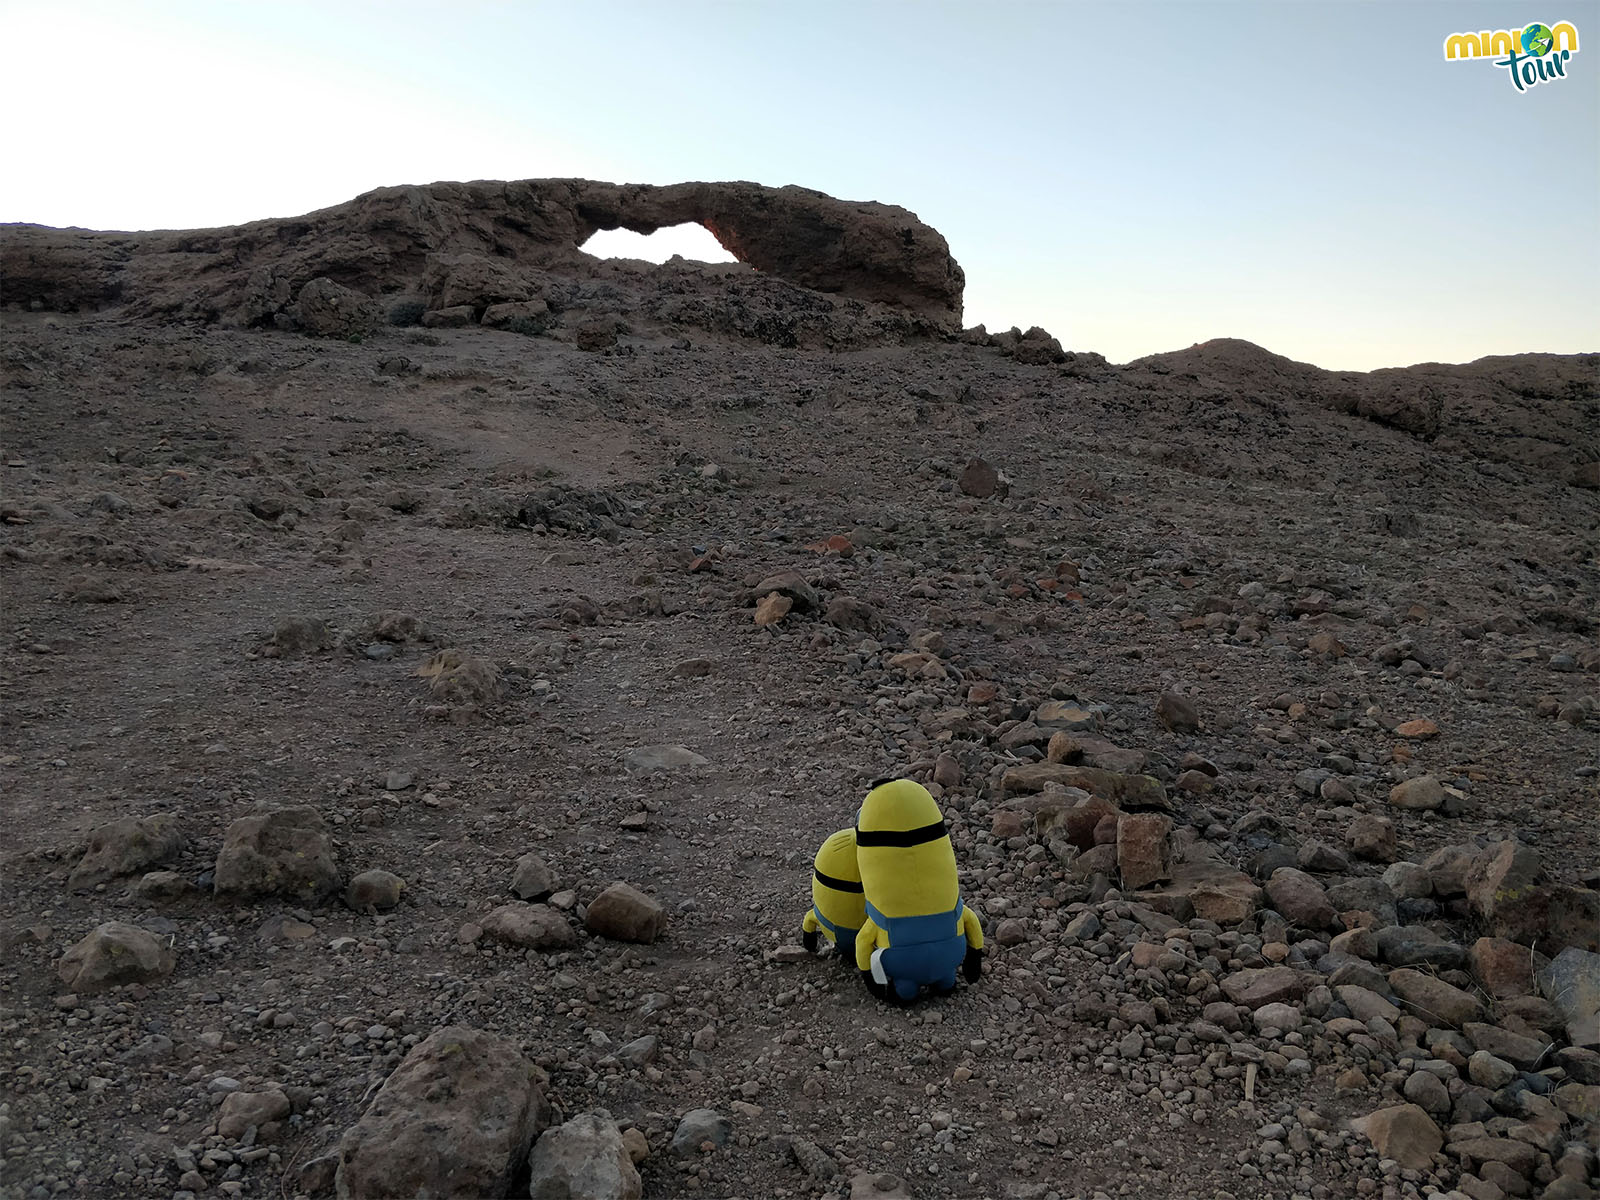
(414, 240)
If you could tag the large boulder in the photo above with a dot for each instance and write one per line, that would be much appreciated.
(1434, 1000)
(1300, 898)
(1403, 1132)
(114, 954)
(1209, 889)
(286, 852)
(374, 889)
(530, 927)
(1130, 792)
(127, 846)
(455, 1119)
(1257, 987)
(1572, 983)
(1424, 792)
(1143, 856)
(241, 1110)
(626, 914)
(698, 1129)
(531, 879)
(1507, 888)
(329, 309)
(1448, 867)
(583, 1160)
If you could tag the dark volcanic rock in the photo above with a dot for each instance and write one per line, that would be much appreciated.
(472, 245)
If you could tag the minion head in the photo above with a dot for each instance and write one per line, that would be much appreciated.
(836, 892)
(836, 858)
(908, 866)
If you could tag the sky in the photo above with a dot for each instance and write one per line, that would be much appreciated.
(1134, 177)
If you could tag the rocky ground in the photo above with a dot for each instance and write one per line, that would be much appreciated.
(343, 678)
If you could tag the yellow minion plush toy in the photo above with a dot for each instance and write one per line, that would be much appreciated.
(917, 931)
(837, 903)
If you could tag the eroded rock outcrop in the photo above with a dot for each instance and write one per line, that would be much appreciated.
(448, 246)
(1537, 410)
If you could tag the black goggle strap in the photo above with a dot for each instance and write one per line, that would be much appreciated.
(838, 885)
(901, 837)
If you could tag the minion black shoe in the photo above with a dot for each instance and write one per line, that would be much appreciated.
(972, 965)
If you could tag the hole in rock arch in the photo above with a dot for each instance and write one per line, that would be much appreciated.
(691, 240)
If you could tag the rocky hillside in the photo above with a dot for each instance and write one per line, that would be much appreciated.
(419, 720)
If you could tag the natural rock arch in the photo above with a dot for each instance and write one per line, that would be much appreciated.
(418, 239)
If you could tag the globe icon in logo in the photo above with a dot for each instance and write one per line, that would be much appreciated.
(1537, 40)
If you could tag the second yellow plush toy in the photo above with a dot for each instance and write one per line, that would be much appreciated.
(917, 931)
(837, 904)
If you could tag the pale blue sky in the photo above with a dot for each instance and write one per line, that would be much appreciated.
(1134, 177)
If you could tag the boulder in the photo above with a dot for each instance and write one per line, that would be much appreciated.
(114, 954)
(583, 1159)
(1177, 713)
(1434, 1000)
(529, 927)
(1063, 748)
(1143, 856)
(1285, 1018)
(294, 636)
(1571, 982)
(981, 480)
(626, 914)
(1428, 1091)
(1447, 869)
(1506, 888)
(1077, 824)
(518, 316)
(1504, 967)
(241, 1110)
(772, 608)
(1418, 946)
(374, 889)
(792, 586)
(531, 879)
(329, 309)
(1422, 793)
(1208, 889)
(1371, 837)
(816, 1162)
(947, 772)
(456, 1118)
(1300, 898)
(127, 846)
(1403, 1132)
(1068, 716)
(698, 1128)
(1364, 1004)
(849, 613)
(1256, 987)
(1523, 1052)
(1364, 895)
(1501, 880)
(1128, 792)
(1408, 881)
(286, 852)
(1519, 1156)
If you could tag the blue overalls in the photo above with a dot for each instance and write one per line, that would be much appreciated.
(844, 939)
(922, 950)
